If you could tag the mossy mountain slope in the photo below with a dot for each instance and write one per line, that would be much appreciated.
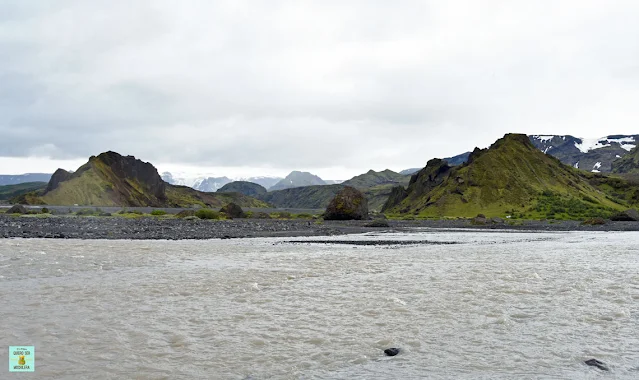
(373, 178)
(512, 177)
(111, 179)
(247, 188)
(628, 163)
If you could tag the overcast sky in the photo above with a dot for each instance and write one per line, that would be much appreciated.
(333, 87)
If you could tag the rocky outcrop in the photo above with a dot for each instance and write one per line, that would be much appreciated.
(629, 215)
(60, 175)
(243, 187)
(17, 209)
(348, 204)
(132, 169)
(397, 195)
(233, 211)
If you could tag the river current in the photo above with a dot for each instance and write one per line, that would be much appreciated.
(494, 305)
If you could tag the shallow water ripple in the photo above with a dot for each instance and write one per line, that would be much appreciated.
(495, 305)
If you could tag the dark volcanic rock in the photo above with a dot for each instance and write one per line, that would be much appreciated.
(348, 204)
(480, 219)
(60, 175)
(595, 221)
(233, 211)
(128, 167)
(391, 351)
(596, 363)
(17, 209)
(260, 215)
(626, 216)
(397, 195)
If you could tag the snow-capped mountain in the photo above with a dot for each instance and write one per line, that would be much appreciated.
(594, 155)
(213, 184)
(297, 179)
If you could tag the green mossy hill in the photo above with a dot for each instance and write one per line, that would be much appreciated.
(184, 196)
(243, 187)
(373, 178)
(512, 177)
(628, 163)
(111, 179)
(9, 192)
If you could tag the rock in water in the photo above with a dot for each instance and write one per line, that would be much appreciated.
(348, 204)
(391, 351)
(233, 211)
(596, 363)
(17, 209)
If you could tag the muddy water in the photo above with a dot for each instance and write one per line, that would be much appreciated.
(495, 305)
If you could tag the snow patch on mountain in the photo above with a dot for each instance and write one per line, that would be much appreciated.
(587, 145)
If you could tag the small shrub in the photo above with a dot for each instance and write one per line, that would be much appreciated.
(205, 213)
(84, 212)
(378, 223)
(158, 212)
(185, 214)
(594, 221)
(45, 210)
(284, 215)
(304, 216)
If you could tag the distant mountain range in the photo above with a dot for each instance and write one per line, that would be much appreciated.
(297, 179)
(594, 155)
(213, 184)
(111, 179)
(14, 179)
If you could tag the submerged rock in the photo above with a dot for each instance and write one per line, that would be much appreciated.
(391, 351)
(596, 363)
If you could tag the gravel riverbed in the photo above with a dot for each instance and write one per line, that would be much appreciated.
(75, 227)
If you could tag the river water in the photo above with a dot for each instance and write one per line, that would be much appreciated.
(496, 305)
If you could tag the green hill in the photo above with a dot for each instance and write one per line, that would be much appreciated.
(247, 188)
(514, 178)
(111, 179)
(373, 178)
(8, 192)
(628, 163)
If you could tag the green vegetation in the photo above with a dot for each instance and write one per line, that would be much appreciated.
(9, 192)
(373, 178)
(91, 212)
(551, 205)
(629, 163)
(513, 178)
(158, 212)
(206, 213)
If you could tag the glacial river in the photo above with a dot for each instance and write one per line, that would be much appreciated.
(496, 305)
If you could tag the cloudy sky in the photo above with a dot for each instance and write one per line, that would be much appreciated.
(330, 86)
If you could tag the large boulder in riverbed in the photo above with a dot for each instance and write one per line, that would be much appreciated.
(17, 209)
(233, 211)
(348, 204)
(626, 216)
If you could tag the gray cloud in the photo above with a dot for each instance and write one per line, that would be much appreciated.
(310, 84)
